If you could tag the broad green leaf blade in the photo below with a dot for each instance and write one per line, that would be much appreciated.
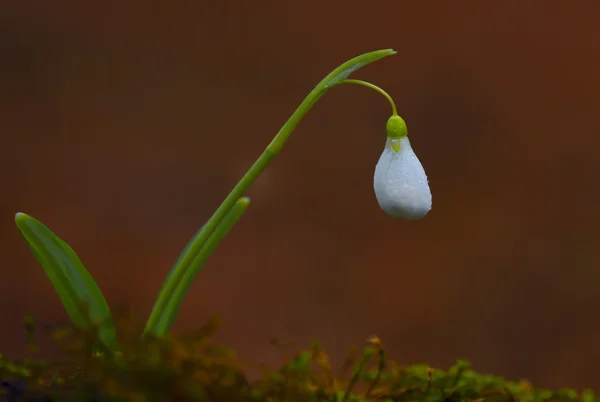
(75, 286)
(162, 315)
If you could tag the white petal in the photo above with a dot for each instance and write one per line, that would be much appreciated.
(400, 182)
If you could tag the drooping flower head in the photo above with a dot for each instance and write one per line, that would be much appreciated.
(400, 182)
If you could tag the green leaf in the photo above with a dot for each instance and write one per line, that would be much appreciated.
(181, 257)
(76, 288)
(167, 305)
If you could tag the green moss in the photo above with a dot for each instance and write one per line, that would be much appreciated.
(193, 368)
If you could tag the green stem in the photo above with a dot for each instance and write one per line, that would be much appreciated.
(336, 77)
(375, 88)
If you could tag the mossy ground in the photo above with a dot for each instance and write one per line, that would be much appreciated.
(191, 367)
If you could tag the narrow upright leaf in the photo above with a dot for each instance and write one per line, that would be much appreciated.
(76, 288)
(166, 306)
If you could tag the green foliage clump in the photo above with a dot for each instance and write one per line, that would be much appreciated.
(191, 367)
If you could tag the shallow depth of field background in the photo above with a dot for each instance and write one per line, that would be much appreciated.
(123, 127)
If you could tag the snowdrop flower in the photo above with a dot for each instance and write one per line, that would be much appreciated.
(400, 182)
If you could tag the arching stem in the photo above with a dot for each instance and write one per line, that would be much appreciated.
(174, 289)
(375, 88)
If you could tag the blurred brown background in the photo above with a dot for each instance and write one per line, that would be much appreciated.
(124, 125)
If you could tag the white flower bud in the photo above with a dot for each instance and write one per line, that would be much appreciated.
(400, 182)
